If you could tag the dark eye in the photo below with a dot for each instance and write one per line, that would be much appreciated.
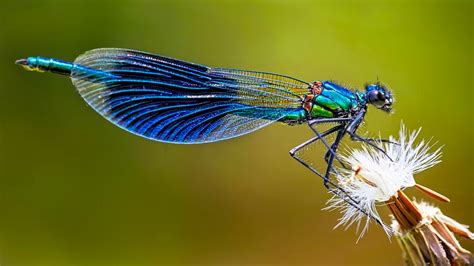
(376, 98)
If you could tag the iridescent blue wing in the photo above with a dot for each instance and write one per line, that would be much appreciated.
(174, 101)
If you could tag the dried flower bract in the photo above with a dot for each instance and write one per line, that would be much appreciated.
(432, 240)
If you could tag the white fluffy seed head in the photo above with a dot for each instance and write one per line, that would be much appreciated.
(379, 175)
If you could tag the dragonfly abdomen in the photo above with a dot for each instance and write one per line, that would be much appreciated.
(298, 116)
(46, 64)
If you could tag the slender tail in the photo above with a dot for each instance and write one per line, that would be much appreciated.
(44, 64)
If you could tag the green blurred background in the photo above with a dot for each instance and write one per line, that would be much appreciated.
(77, 190)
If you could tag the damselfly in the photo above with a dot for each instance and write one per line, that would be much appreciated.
(170, 100)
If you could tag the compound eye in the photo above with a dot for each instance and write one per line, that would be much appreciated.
(377, 98)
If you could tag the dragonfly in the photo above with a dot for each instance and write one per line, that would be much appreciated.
(174, 101)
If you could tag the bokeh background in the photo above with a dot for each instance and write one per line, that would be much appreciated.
(75, 189)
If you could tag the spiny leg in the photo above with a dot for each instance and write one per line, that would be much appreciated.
(320, 136)
(329, 120)
(354, 125)
(339, 192)
(330, 149)
(360, 138)
(294, 151)
(330, 185)
(370, 142)
(333, 155)
(379, 140)
(333, 188)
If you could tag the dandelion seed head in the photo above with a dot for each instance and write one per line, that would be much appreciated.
(377, 176)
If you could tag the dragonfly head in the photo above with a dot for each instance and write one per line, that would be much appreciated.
(379, 96)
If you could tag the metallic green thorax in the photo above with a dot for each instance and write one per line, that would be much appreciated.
(332, 101)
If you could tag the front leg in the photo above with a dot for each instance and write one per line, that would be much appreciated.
(370, 142)
(356, 137)
(354, 125)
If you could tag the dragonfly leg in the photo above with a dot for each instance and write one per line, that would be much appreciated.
(330, 185)
(354, 125)
(376, 140)
(329, 120)
(341, 193)
(370, 142)
(330, 149)
(327, 182)
(331, 155)
(319, 136)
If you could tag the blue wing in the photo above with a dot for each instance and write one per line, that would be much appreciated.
(174, 101)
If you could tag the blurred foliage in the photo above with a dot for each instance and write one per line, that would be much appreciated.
(76, 189)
